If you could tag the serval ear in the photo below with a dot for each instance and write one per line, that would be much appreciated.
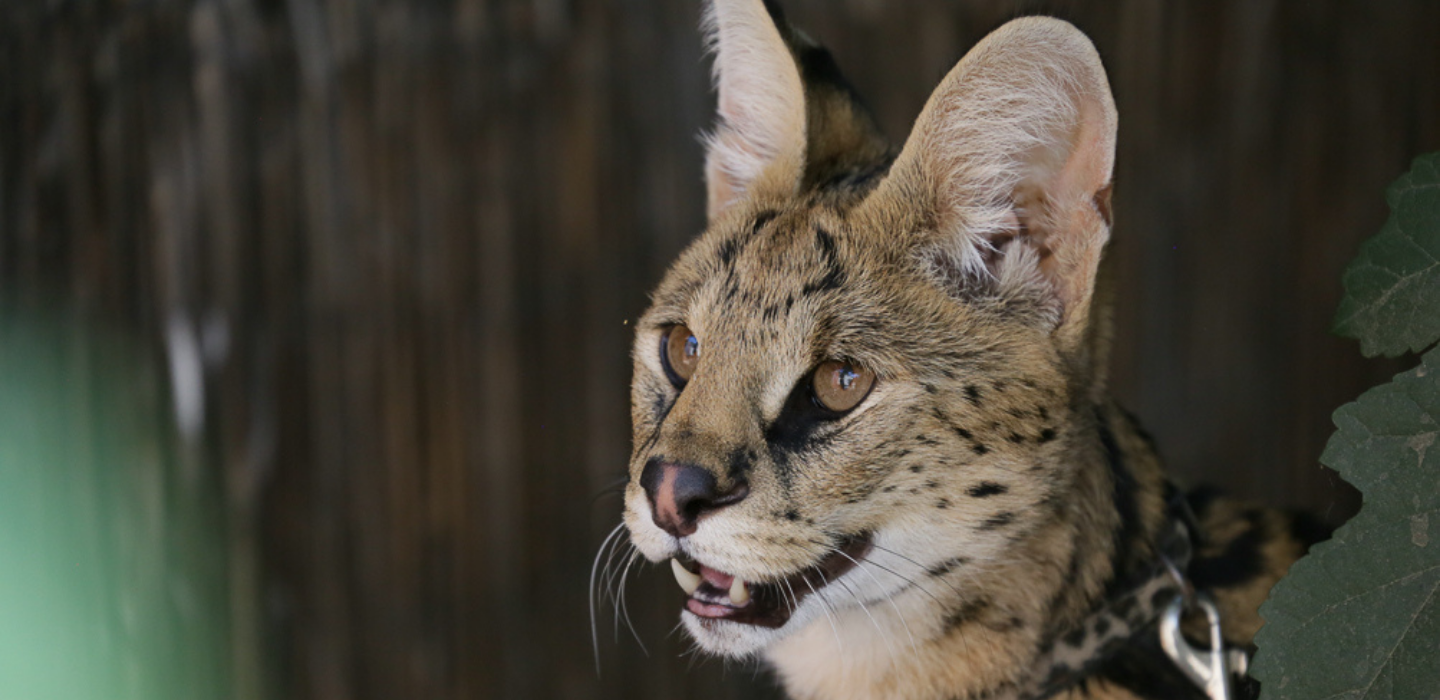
(1006, 174)
(787, 119)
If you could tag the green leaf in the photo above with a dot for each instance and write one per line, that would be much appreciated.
(1360, 616)
(1392, 290)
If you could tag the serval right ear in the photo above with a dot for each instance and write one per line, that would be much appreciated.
(787, 119)
(1006, 176)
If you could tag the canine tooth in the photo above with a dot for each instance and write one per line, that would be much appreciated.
(688, 581)
(739, 594)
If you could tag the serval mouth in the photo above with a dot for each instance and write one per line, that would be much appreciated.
(717, 595)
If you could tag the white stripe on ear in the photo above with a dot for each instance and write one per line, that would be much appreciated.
(1011, 160)
(759, 142)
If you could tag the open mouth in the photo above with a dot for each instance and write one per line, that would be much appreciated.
(717, 595)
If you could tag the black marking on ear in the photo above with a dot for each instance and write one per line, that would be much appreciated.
(945, 567)
(986, 489)
(996, 521)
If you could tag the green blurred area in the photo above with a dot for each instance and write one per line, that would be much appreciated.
(112, 564)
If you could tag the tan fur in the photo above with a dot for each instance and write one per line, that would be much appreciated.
(986, 463)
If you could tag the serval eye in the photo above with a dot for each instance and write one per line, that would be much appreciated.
(680, 350)
(841, 386)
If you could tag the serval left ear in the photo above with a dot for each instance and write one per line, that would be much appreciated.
(787, 119)
(1006, 174)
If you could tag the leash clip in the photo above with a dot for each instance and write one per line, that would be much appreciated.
(1208, 668)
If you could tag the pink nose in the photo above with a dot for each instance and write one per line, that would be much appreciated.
(681, 493)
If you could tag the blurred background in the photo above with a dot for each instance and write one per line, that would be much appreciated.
(314, 313)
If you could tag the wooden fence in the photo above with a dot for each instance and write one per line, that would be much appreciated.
(388, 252)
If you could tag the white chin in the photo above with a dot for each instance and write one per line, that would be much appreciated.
(731, 639)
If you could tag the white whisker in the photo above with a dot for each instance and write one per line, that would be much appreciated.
(594, 570)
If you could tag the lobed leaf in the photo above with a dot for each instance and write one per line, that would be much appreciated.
(1359, 618)
(1392, 289)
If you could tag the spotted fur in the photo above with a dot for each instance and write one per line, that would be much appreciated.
(1006, 494)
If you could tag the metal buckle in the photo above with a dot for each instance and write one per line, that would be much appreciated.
(1208, 668)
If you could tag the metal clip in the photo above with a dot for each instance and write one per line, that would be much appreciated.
(1208, 668)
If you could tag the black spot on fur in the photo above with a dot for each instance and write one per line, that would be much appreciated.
(1241, 561)
(942, 504)
(932, 484)
(997, 521)
(972, 394)
(979, 448)
(728, 250)
(964, 433)
(762, 219)
(1102, 626)
(889, 489)
(792, 515)
(966, 612)
(834, 277)
(917, 468)
(1016, 438)
(985, 489)
(945, 567)
(1046, 435)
